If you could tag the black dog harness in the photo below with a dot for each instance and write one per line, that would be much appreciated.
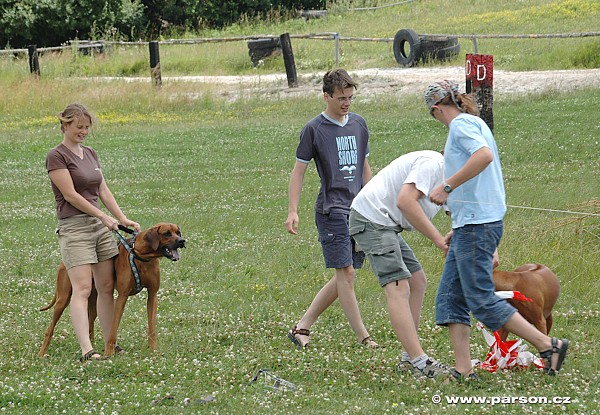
(129, 245)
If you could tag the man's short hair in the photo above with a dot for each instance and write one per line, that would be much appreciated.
(337, 78)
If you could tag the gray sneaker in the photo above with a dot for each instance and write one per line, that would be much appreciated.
(404, 366)
(432, 369)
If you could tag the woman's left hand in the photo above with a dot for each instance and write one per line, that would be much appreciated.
(131, 224)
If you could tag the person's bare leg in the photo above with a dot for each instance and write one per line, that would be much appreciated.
(417, 283)
(401, 316)
(81, 281)
(104, 282)
(345, 289)
(459, 338)
(324, 298)
(518, 325)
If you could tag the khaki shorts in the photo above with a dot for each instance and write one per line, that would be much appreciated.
(84, 239)
(390, 256)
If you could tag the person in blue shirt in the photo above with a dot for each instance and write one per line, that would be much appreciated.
(473, 190)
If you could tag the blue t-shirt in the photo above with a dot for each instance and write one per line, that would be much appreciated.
(481, 199)
(339, 151)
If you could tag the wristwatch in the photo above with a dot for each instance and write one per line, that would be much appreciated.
(447, 188)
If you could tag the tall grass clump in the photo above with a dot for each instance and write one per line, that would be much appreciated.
(587, 56)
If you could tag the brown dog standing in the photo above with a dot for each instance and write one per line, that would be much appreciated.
(161, 240)
(534, 281)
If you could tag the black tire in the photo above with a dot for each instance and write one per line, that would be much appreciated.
(263, 48)
(437, 42)
(440, 55)
(439, 48)
(403, 38)
(448, 53)
(267, 43)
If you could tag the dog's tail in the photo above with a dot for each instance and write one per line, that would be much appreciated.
(63, 285)
(49, 305)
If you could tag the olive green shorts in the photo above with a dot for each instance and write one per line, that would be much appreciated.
(84, 239)
(388, 253)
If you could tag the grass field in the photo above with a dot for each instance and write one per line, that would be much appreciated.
(220, 170)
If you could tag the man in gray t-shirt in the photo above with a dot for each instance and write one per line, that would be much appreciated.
(340, 161)
(338, 141)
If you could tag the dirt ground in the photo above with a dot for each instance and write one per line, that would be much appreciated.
(398, 81)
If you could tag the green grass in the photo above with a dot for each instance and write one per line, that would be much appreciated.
(220, 170)
(464, 17)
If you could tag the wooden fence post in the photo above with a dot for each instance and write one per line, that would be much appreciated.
(336, 37)
(288, 59)
(479, 71)
(34, 63)
(155, 64)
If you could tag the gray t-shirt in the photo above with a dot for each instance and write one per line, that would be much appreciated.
(339, 151)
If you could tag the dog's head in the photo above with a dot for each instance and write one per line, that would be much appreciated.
(165, 240)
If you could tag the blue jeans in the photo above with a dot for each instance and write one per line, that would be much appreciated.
(467, 284)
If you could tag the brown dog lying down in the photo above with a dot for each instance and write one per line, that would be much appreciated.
(161, 240)
(534, 281)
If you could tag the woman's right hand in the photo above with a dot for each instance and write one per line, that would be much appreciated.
(110, 222)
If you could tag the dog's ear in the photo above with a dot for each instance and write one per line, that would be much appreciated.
(151, 237)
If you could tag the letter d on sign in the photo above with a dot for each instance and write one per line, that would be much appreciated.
(479, 73)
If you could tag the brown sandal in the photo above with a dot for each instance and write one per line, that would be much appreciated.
(369, 342)
(292, 336)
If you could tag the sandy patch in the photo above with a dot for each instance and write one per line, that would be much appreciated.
(374, 82)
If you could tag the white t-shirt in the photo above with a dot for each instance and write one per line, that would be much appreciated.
(377, 201)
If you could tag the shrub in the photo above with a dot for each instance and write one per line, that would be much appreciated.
(53, 22)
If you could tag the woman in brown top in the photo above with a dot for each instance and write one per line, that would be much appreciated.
(84, 231)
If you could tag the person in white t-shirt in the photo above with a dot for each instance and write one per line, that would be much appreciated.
(397, 199)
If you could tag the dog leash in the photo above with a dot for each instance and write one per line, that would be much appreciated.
(132, 255)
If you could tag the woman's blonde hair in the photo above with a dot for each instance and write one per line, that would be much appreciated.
(72, 112)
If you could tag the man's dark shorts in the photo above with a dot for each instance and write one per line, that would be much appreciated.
(338, 247)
